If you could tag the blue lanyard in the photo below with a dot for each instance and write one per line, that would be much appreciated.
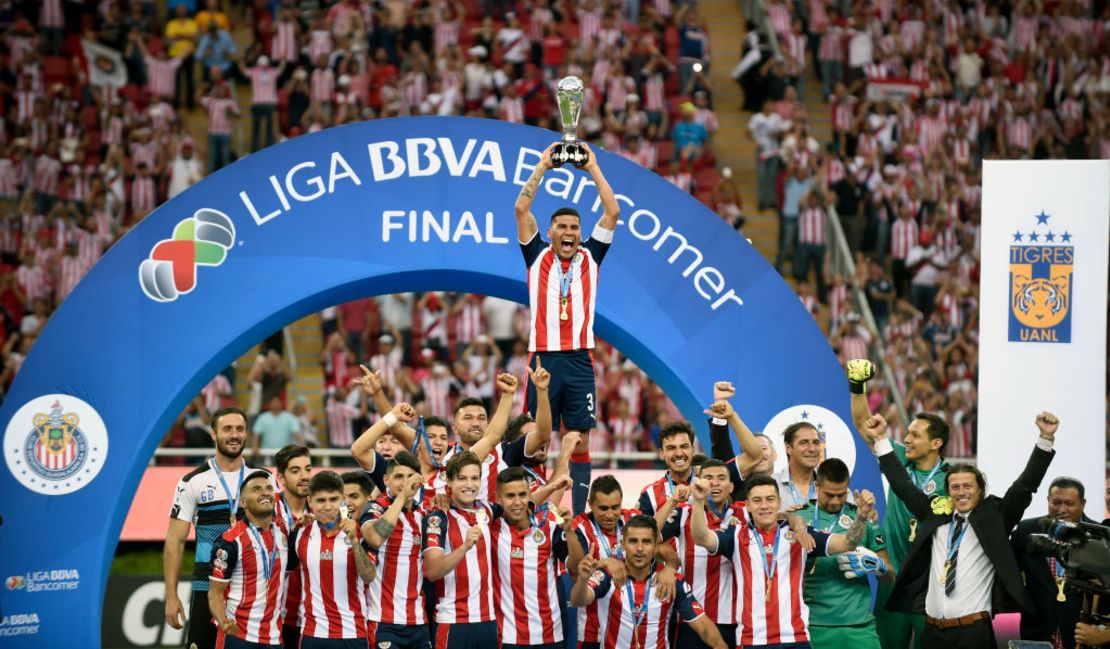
(565, 278)
(288, 512)
(639, 613)
(535, 474)
(794, 492)
(925, 482)
(816, 514)
(267, 558)
(1058, 567)
(603, 541)
(954, 541)
(422, 434)
(671, 484)
(539, 516)
(231, 503)
(769, 565)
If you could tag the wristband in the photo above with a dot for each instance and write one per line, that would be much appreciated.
(390, 419)
(857, 387)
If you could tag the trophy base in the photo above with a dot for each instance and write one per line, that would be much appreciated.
(570, 153)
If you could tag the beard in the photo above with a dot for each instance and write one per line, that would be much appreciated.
(222, 448)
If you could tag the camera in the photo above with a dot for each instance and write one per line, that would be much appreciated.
(1083, 548)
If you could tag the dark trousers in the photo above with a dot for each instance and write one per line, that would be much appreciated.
(976, 635)
(900, 276)
(185, 84)
(262, 125)
(290, 636)
(201, 631)
(470, 635)
(688, 638)
(805, 255)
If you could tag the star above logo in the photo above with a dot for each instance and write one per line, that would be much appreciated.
(1033, 236)
(1042, 218)
(1050, 237)
(1017, 236)
(1065, 237)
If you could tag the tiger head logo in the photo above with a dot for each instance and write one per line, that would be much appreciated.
(1041, 302)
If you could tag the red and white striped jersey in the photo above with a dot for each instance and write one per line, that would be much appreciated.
(47, 171)
(709, 576)
(397, 594)
(589, 24)
(217, 390)
(831, 46)
(655, 96)
(794, 47)
(51, 14)
(1023, 33)
(319, 44)
(445, 33)
(239, 558)
(161, 76)
(70, 272)
(34, 282)
(655, 494)
(625, 434)
(838, 298)
(292, 605)
(468, 322)
(144, 196)
(619, 606)
(1019, 133)
(903, 237)
(780, 616)
(493, 464)
(465, 594)
(778, 14)
(220, 110)
(811, 226)
(341, 417)
(930, 133)
(525, 581)
(322, 83)
(283, 45)
(437, 393)
(263, 84)
(547, 275)
(598, 544)
(333, 596)
(853, 344)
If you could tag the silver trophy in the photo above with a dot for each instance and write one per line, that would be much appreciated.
(569, 94)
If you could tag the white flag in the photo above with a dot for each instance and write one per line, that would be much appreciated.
(105, 65)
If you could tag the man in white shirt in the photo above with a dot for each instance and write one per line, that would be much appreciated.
(765, 128)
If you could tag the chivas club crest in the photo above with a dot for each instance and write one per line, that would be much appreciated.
(55, 444)
(1041, 264)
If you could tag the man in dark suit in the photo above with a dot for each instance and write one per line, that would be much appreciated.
(962, 550)
(1044, 576)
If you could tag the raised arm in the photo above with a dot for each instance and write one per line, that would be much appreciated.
(438, 563)
(698, 525)
(526, 226)
(582, 594)
(381, 528)
(506, 383)
(541, 379)
(610, 210)
(751, 448)
(371, 384)
(860, 371)
(363, 448)
(552, 491)
(1020, 493)
(566, 449)
(854, 535)
(875, 432)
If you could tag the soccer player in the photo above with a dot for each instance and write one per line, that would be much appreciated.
(357, 490)
(767, 558)
(836, 589)
(529, 545)
(207, 498)
(600, 534)
(458, 557)
(709, 576)
(294, 469)
(676, 449)
(472, 426)
(922, 453)
(637, 616)
(247, 584)
(758, 453)
(392, 526)
(798, 479)
(527, 439)
(562, 290)
(333, 567)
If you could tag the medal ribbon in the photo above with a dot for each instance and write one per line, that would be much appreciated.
(231, 503)
(603, 541)
(422, 434)
(769, 565)
(566, 278)
(936, 467)
(797, 497)
(954, 541)
(267, 558)
(639, 613)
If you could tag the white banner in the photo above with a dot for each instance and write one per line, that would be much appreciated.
(105, 65)
(1042, 320)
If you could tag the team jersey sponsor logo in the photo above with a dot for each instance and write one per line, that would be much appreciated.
(55, 444)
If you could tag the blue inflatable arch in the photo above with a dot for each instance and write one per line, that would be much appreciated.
(407, 204)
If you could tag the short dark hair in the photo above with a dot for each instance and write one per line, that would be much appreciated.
(286, 454)
(511, 474)
(463, 403)
(712, 464)
(644, 521)
(257, 473)
(676, 428)
(436, 421)
(833, 470)
(405, 459)
(605, 484)
(565, 211)
(227, 410)
(361, 478)
(325, 481)
(459, 461)
(964, 467)
(698, 461)
(792, 430)
(516, 426)
(1064, 482)
(938, 428)
(761, 481)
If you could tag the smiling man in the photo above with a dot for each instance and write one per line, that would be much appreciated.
(562, 290)
(1053, 619)
(798, 479)
(208, 499)
(294, 469)
(962, 545)
(676, 449)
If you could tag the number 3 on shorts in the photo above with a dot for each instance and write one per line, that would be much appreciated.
(590, 402)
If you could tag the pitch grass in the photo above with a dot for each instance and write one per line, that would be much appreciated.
(146, 559)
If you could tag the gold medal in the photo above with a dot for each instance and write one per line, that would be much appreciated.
(1060, 597)
(556, 517)
(913, 529)
(767, 580)
(563, 314)
(944, 573)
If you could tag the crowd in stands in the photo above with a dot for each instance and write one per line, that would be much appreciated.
(80, 163)
(919, 94)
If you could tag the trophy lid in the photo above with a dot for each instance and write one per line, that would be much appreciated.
(570, 84)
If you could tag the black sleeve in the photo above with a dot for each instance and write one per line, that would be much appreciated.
(294, 561)
(559, 544)
(720, 441)
(377, 476)
(532, 249)
(915, 500)
(1020, 494)
(597, 248)
(225, 554)
(513, 452)
(645, 504)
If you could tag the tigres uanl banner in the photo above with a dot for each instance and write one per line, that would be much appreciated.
(1042, 315)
